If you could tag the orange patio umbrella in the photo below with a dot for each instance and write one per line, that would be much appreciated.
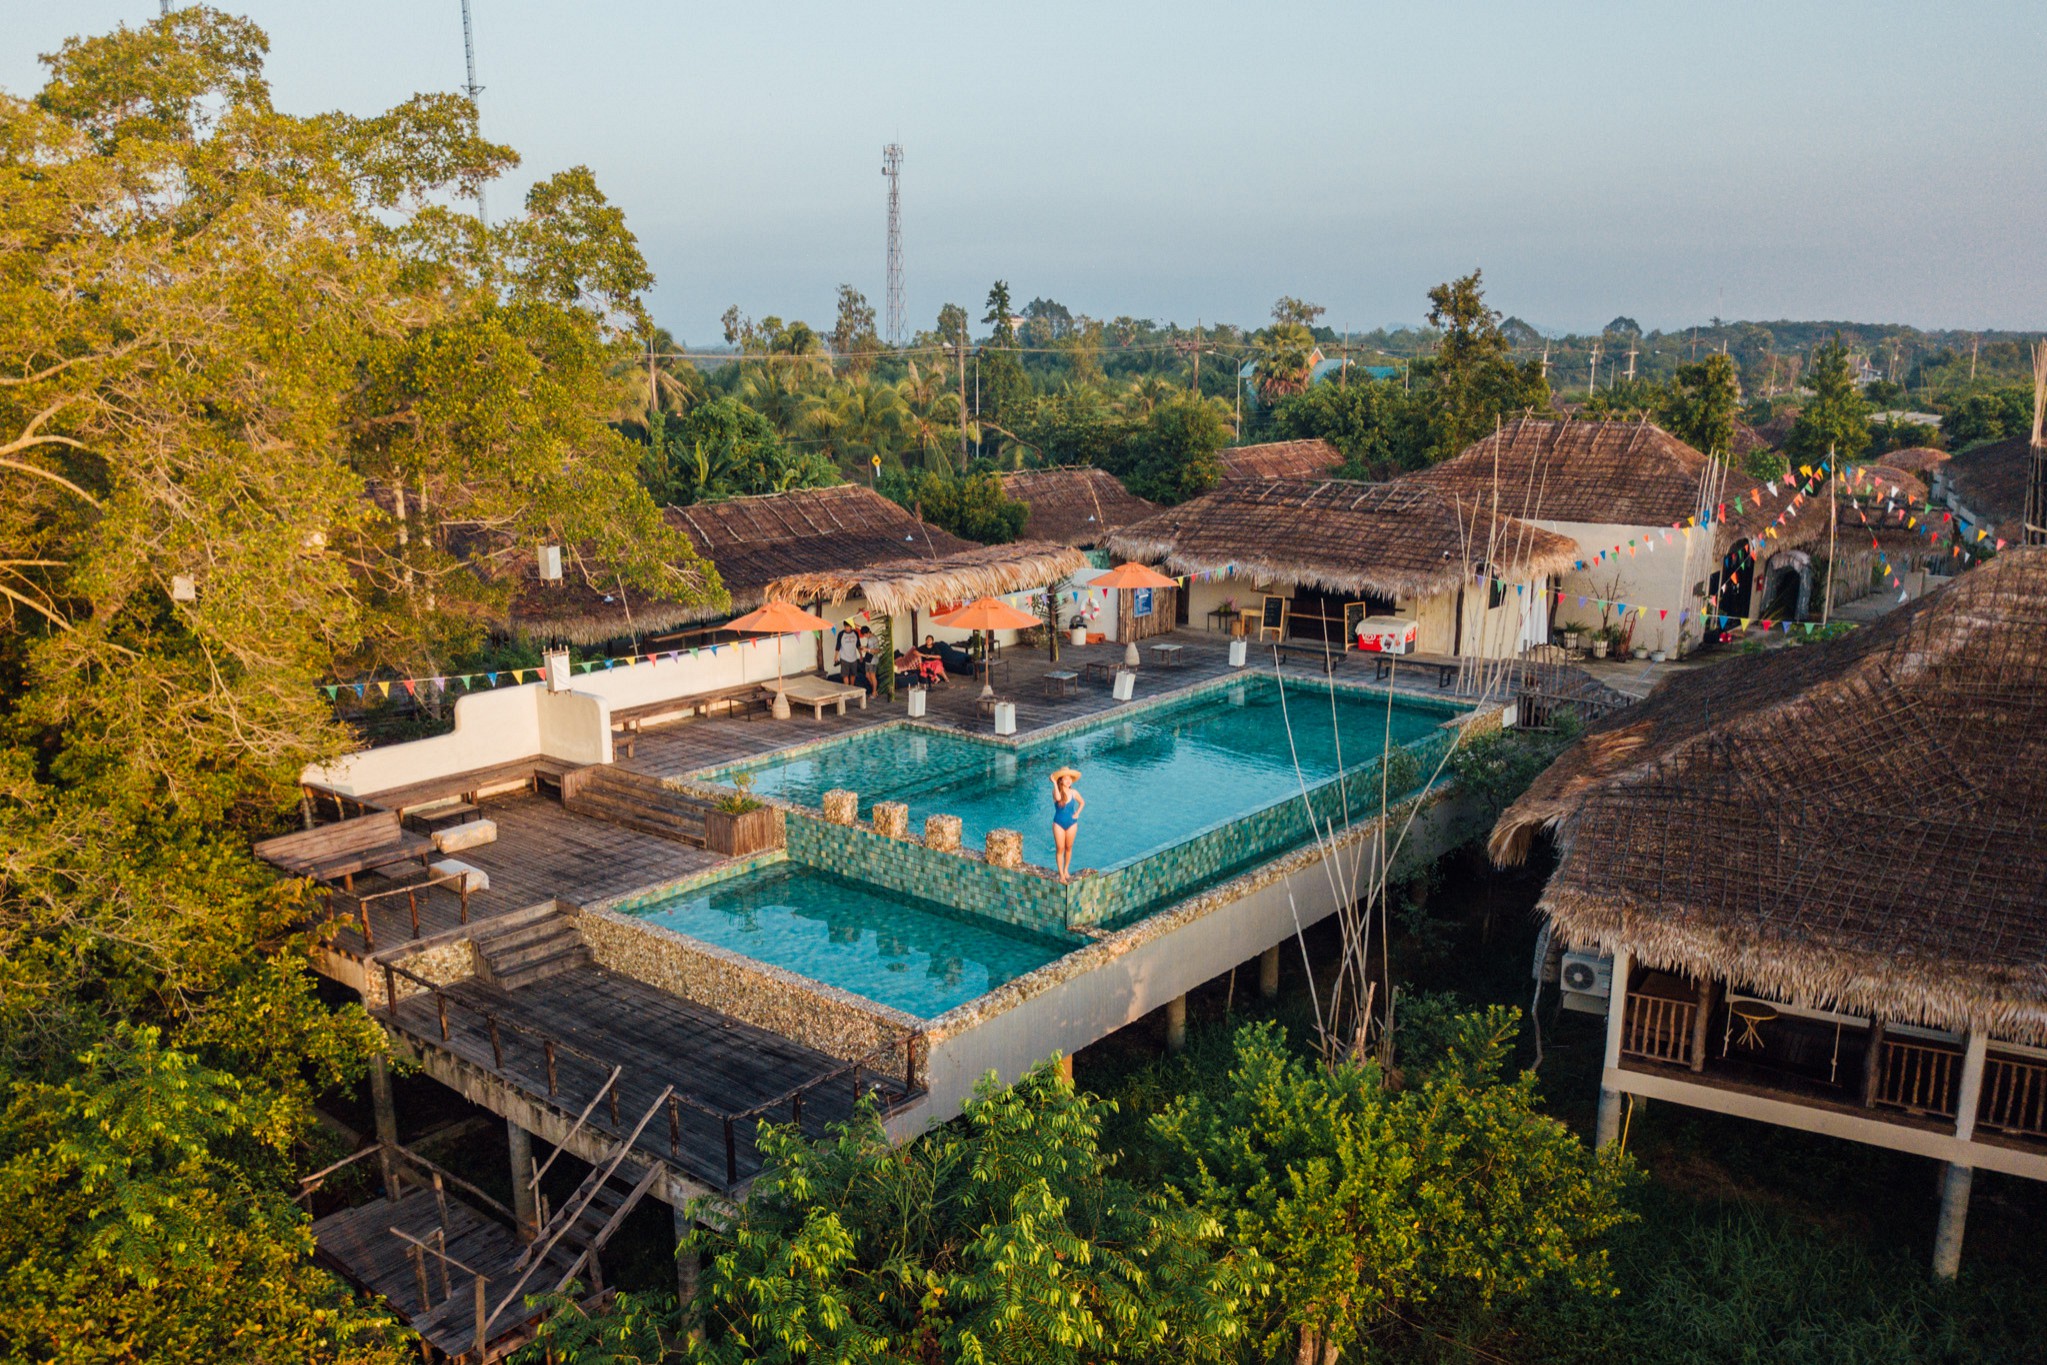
(1125, 577)
(987, 614)
(779, 619)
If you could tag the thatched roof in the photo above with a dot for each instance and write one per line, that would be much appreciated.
(1623, 473)
(752, 541)
(1616, 473)
(1854, 824)
(1883, 482)
(1991, 482)
(911, 584)
(1392, 539)
(1312, 459)
(1920, 460)
(1747, 440)
(1075, 506)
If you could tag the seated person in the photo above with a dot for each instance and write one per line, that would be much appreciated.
(951, 658)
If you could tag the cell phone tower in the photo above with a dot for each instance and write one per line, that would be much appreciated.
(469, 61)
(892, 168)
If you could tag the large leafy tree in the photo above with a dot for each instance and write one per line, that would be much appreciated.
(1836, 419)
(1702, 403)
(972, 506)
(1005, 388)
(268, 412)
(1172, 456)
(1472, 378)
(1007, 1236)
(1382, 430)
(1370, 1200)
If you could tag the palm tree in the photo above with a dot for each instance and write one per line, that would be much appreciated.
(930, 421)
(1283, 353)
(1146, 393)
(854, 422)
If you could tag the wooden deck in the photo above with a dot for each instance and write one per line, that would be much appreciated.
(601, 1020)
(360, 1245)
(542, 852)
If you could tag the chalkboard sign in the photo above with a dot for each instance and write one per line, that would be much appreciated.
(1272, 619)
(1353, 613)
(1140, 601)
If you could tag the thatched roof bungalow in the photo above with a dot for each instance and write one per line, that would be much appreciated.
(1397, 548)
(1308, 459)
(1986, 488)
(1638, 502)
(752, 541)
(1821, 878)
(1079, 505)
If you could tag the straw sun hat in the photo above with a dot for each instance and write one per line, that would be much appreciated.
(1070, 774)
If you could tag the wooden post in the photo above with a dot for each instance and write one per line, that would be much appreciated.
(426, 1300)
(547, 1046)
(1955, 1185)
(731, 1155)
(386, 1111)
(1873, 1063)
(1268, 973)
(521, 1143)
(1700, 1022)
(482, 1315)
(1616, 1018)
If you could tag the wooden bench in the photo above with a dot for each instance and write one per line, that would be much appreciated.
(630, 721)
(817, 694)
(346, 847)
(1446, 669)
(1329, 656)
(534, 772)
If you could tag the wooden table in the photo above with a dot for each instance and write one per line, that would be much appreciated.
(1220, 617)
(1751, 1013)
(984, 669)
(1167, 656)
(1060, 683)
(1101, 671)
(437, 818)
(818, 693)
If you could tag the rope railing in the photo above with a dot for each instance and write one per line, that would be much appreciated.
(863, 1075)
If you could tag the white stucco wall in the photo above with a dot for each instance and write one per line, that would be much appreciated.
(1658, 580)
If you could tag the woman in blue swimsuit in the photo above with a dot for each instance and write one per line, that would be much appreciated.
(1066, 807)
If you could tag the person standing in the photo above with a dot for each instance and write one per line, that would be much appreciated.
(847, 646)
(1066, 807)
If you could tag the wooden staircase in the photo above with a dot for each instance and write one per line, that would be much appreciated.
(530, 952)
(585, 1222)
(637, 801)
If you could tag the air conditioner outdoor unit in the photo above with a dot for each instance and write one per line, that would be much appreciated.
(1587, 974)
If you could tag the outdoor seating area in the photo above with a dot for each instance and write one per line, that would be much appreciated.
(347, 848)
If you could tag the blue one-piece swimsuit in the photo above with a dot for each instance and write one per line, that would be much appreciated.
(1066, 814)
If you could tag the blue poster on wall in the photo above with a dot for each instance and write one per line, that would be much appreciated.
(1140, 601)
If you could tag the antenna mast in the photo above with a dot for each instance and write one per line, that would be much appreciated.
(469, 61)
(892, 169)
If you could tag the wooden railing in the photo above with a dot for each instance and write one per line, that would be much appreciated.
(2014, 1096)
(857, 1074)
(1658, 1028)
(1919, 1078)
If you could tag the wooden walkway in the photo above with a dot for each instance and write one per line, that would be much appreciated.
(717, 1065)
(360, 1245)
(542, 852)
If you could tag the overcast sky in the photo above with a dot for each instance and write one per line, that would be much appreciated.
(1873, 161)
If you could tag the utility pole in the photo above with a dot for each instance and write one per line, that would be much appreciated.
(1545, 360)
(469, 61)
(892, 169)
(1343, 370)
(1593, 386)
(1631, 361)
(1975, 345)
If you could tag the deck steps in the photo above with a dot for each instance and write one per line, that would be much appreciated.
(639, 802)
(531, 952)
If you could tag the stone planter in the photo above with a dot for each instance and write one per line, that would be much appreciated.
(942, 832)
(736, 834)
(1005, 848)
(1657, 656)
(892, 819)
(1641, 653)
(1572, 641)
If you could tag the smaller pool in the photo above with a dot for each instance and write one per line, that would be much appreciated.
(890, 948)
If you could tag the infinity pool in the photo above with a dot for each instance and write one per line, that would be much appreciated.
(1152, 779)
(883, 945)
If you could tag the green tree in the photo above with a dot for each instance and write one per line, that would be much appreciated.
(853, 335)
(1371, 1201)
(952, 335)
(1172, 457)
(1283, 352)
(971, 506)
(1382, 430)
(1006, 1236)
(1834, 419)
(1292, 312)
(262, 389)
(722, 448)
(1472, 378)
(1701, 405)
(1005, 388)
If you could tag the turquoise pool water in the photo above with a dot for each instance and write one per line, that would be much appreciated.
(883, 945)
(1151, 779)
